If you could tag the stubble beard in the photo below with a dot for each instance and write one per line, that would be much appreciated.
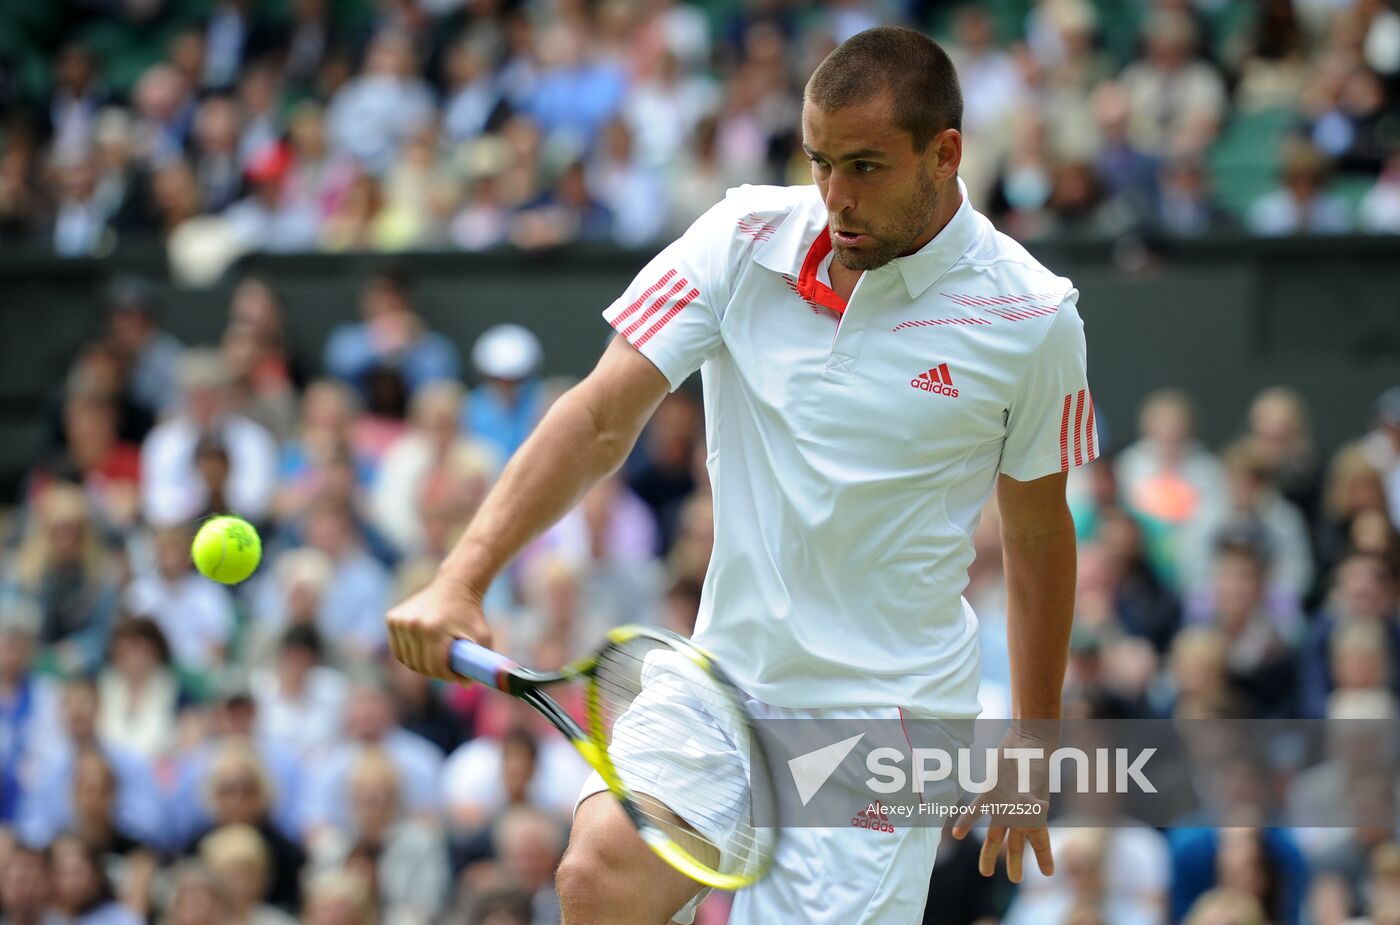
(902, 232)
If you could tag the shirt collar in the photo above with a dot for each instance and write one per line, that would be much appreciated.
(785, 251)
(789, 247)
(797, 250)
(923, 268)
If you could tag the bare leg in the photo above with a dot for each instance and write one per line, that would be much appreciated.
(610, 877)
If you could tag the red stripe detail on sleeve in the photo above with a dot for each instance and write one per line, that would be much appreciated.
(681, 303)
(1090, 434)
(654, 307)
(1079, 429)
(1064, 435)
(651, 291)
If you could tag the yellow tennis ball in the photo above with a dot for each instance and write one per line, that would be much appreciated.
(226, 549)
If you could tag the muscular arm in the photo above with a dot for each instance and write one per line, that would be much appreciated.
(1038, 553)
(1037, 537)
(586, 436)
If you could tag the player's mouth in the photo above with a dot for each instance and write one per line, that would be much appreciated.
(850, 238)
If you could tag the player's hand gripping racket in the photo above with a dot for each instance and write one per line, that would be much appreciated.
(669, 734)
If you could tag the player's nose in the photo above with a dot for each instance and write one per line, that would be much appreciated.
(839, 196)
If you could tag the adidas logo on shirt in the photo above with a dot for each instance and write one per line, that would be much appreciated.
(937, 381)
(873, 818)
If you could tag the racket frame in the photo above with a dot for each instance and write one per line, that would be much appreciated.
(474, 661)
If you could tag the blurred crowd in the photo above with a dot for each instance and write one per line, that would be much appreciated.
(176, 751)
(1257, 580)
(230, 125)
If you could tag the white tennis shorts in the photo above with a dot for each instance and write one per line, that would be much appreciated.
(861, 873)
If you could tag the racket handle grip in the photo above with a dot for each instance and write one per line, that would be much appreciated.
(478, 662)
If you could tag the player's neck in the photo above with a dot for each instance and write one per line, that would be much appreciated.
(944, 209)
(844, 279)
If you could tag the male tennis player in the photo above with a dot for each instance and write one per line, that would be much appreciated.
(876, 359)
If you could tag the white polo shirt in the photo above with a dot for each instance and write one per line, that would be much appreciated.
(853, 445)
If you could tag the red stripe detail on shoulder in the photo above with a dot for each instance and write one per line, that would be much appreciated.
(674, 310)
(655, 307)
(652, 290)
(756, 228)
(929, 322)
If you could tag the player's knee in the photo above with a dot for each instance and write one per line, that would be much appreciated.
(608, 875)
(598, 879)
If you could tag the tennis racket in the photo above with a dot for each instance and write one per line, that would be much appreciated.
(669, 734)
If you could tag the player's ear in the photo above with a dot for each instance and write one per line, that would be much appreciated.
(945, 154)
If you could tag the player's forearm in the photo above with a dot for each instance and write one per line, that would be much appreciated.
(1040, 577)
(572, 449)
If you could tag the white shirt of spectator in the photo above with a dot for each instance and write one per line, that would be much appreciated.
(373, 114)
(140, 719)
(300, 722)
(351, 613)
(195, 615)
(472, 782)
(394, 500)
(1136, 872)
(852, 447)
(171, 489)
(327, 792)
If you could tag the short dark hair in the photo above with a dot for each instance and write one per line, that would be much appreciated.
(394, 276)
(300, 636)
(211, 443)
(144, 629)
(910, 66)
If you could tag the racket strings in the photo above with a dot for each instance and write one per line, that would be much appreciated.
(678, 737)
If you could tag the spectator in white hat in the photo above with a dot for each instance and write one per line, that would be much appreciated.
(507, 403)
